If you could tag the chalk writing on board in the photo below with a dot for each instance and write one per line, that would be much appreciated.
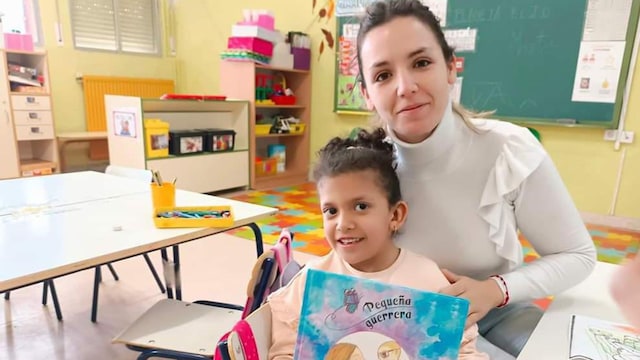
(472, 16)
(487, 92)
(530, 12)
(530, 43)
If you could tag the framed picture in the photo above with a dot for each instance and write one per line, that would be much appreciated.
(124, 124)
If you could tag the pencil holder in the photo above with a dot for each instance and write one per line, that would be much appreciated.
(163, 196)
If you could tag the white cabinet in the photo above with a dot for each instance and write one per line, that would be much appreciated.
(27, 131)
(203, 172)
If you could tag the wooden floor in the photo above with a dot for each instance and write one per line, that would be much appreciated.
(31, 330)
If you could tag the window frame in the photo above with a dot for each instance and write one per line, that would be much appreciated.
(157, 32)
(37, 22)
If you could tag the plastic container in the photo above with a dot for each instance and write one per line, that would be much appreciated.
(194, 217)
(266, 166)
(186, 142)
(216, 140)
(157, 137)
(301, 58)
(263, 129)
(163, 196)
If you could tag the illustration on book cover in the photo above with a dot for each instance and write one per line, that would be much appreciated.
(345, 317)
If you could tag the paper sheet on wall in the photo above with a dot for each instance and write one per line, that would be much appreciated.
(439, 9)
(606, 20)
(456, 90)
(598, 70)
(461, 39)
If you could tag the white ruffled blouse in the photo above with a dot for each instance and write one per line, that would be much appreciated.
(471, 191)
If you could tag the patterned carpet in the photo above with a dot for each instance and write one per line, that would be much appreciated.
(299, 211)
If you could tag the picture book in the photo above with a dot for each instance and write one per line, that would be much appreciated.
(345, 317)
(596, 339)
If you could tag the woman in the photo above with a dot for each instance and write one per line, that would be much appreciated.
(471, 184)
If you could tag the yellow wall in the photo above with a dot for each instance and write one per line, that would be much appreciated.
(588, 164)
(65, 62)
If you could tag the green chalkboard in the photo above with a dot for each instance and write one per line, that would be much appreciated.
(524, 62)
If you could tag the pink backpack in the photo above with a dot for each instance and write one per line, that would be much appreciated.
(273, 269)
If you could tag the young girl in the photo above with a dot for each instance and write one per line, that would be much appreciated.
(362, 210)
(472, 184)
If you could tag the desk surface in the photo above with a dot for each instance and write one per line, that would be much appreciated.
(550, 340)
(83, 135)
(79, 229)
(39, 193)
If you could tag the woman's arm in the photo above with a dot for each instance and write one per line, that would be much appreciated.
(549, 220)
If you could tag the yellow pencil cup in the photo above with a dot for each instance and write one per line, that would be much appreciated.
(163, 196)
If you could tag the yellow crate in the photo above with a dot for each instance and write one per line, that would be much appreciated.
(201, 222)
(157, 137)
(263, 129)
(296, 128)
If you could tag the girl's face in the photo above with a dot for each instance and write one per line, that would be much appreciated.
(407, 78)
(358, 221)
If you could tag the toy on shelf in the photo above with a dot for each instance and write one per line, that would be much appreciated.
(281, 94)
(263, 91)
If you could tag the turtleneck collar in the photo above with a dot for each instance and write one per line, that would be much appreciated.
(443, 137)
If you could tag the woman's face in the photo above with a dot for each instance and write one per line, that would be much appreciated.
(407, 77)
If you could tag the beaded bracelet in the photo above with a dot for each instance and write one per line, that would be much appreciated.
(505, 290)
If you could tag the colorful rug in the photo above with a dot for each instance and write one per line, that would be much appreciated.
(299, 211)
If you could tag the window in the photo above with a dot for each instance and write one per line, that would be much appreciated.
(130, 26)
(22, 16)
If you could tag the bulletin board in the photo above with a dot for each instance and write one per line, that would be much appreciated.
(531, 61)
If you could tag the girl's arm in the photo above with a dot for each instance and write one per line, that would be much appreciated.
(549, 220)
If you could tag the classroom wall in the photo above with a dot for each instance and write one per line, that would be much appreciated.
(65, 62)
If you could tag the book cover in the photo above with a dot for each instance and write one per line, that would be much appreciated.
(596, 339)
(345, 317)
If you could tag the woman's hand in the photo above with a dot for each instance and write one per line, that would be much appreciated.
(482, 295)
(625, 288)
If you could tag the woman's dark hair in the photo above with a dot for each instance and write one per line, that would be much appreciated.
(382, 11)
(367, 151)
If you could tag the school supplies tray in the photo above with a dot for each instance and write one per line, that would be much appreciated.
(194, 217)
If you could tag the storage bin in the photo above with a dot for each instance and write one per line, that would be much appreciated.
(301, 58)
(157, 138)
(216, 140)
(20, 42)
(296, 128)
(186, 142)
(266, 166)
(263, 129)
(253, 44)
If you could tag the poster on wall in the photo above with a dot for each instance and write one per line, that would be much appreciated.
(598, 70)
(348, 96)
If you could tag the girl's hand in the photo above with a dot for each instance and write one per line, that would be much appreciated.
(482, 295)
(625, 288)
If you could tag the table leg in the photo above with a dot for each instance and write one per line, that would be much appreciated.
(168, 278)
(61, 159)
(176, 271)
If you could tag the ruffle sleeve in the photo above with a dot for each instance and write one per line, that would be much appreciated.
(520, 155)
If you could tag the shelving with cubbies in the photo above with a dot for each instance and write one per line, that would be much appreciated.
(27, 131)
(238, 80)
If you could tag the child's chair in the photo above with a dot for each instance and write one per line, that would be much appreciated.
(173, 329)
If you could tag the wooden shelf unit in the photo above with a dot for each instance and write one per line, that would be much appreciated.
(238, 81)
(202, 172)
(27, 129)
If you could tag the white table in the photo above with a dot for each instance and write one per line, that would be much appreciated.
(77, 230)
(550, 339)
